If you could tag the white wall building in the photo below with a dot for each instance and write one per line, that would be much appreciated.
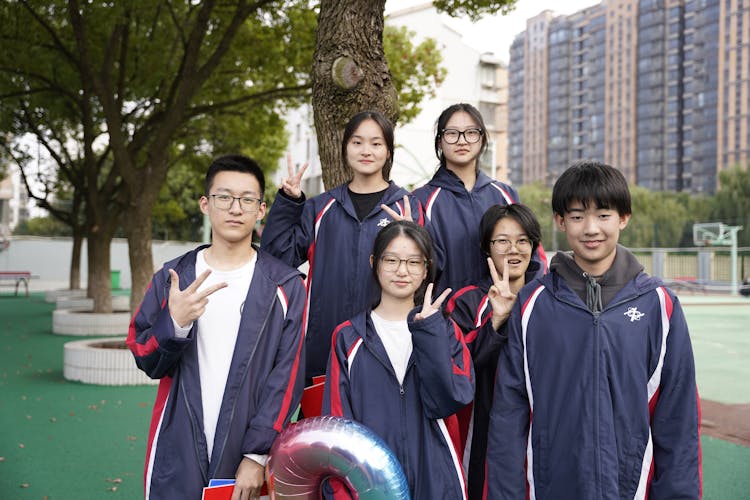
(471, 76)
(14, 202)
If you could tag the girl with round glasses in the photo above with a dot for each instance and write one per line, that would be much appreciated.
(401, 368)
(509, 236)
(458, 194)
(333, 232)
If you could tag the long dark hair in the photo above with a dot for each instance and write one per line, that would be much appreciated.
(419, 236)
(443, 119)
(385, 125)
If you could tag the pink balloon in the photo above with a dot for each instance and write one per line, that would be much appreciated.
(315, 449)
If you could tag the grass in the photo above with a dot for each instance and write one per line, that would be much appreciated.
(61, 439)
(67, 440)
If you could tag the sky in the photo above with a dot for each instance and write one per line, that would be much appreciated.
(496, 33)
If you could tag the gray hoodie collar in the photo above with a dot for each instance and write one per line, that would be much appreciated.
(597, 291)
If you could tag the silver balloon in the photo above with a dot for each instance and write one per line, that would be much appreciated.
(317, 448)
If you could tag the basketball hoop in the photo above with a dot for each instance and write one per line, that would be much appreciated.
(719, 234)
(712, 234)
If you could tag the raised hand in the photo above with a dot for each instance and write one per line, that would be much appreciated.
(292, 185)
(430, 307)
(185, 306)
(397, 216)
(500, 295)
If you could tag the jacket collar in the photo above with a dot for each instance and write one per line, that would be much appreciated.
(446, 179)
(393, 193)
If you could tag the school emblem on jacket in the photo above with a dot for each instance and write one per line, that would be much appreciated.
(634, 314)
(383, 222)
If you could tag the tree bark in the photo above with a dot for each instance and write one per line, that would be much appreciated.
(350, 74)
(75, 260)
(99, 279)
(138, 232)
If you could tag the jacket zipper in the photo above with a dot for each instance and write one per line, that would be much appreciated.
(191, 416)
(244, 375)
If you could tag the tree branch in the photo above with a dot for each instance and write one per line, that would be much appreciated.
(58, 43)
(271, 94)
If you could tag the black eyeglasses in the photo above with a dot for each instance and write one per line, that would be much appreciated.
(502, 245)
(451, 136)
(225, 201)
(414, 265)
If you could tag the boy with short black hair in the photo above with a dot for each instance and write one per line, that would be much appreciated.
(221, 326)
(595, 395)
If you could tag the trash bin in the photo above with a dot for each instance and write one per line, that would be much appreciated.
(115, 275)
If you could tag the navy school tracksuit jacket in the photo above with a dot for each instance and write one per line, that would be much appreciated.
(325, 232)
(595, 405)
(471, 310)
(452, 215)
(264, 385)
(362, 385)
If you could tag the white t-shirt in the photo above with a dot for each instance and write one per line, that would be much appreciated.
(396, 339)
(216, 334)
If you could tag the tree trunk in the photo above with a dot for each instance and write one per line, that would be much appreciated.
(75, 259)
(100, 279)
(138, 231)
(350, 74)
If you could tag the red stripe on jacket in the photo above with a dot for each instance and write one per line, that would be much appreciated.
(278, 425)
(336, 407)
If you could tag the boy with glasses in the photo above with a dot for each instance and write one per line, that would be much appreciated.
(221, 326)
(595, 396)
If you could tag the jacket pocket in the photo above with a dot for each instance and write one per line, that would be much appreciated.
(631, 463)
(540, 457)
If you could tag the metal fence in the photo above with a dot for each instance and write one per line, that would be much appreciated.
(705, 266)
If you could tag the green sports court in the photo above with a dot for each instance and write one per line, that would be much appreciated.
(67, 440)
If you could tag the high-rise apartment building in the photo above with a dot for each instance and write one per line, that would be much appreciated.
(658, 88)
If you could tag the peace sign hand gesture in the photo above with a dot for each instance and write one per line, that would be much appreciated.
(395, 215)
(429, 307)
(292, 185)
(185, 306)
(500, 295)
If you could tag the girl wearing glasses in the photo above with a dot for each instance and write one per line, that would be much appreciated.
(510, 234)
(334, 231)
(401, 370)
(458, 194)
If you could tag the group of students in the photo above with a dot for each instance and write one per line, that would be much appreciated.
(436, 324)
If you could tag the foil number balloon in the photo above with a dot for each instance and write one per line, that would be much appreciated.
(314, 449)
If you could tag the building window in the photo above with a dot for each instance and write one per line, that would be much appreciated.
(488, 74)
(489, 113)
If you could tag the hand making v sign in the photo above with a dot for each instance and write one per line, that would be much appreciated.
(292, 185)
(189, 304)
(500, 295)
(396, 215)
(429, 307)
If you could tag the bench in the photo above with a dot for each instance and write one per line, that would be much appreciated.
(16, 278)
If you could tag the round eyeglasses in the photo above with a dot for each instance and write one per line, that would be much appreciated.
(502, 245)
(225, 201)
(414, 265)
(471, 135)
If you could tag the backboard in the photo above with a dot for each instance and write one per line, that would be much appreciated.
(712, 233)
